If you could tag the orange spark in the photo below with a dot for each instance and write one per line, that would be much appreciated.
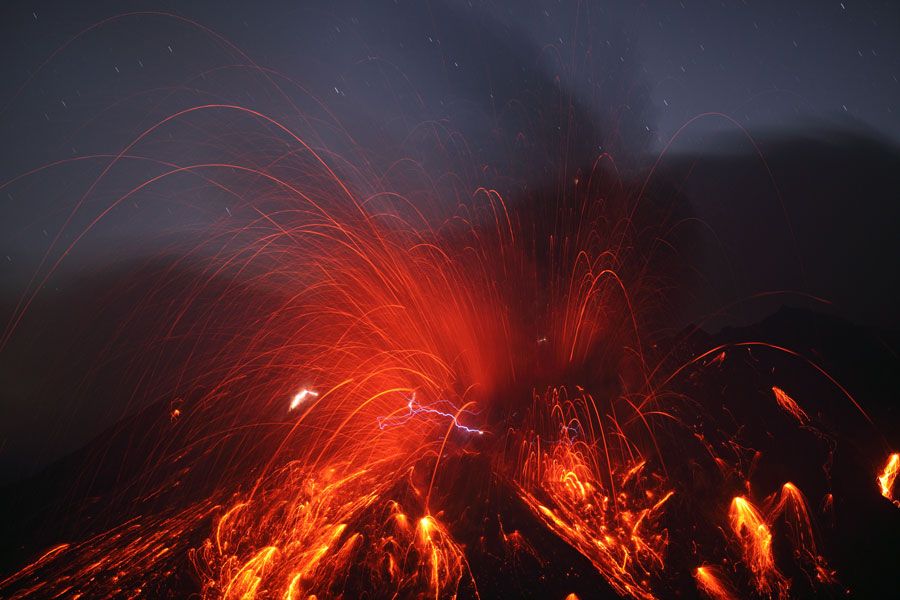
(712, 582)
(755, 537)
(300, 396)
(789, 405)
(718, 360)
(888, 476)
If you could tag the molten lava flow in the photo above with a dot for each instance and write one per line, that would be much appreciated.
(888, 476)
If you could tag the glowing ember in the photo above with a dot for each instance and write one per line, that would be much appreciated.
(753, 526)
(300, 397)
(755, 537)
(888, 476)
(790, 405)
(711, 582)
(592, 495)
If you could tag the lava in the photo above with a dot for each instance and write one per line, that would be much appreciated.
(790, 405)
(594, 495)
(888, 476)
(755, 536)
(712, 582)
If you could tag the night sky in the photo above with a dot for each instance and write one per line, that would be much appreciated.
(811, 71)
(767, 65)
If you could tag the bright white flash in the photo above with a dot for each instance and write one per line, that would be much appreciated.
(300, 397)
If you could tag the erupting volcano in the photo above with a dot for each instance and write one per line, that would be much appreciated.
(364, 380)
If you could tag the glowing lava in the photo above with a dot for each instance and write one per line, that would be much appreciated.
(888, 476)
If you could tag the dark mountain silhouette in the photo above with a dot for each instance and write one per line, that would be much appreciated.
(812, 210)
